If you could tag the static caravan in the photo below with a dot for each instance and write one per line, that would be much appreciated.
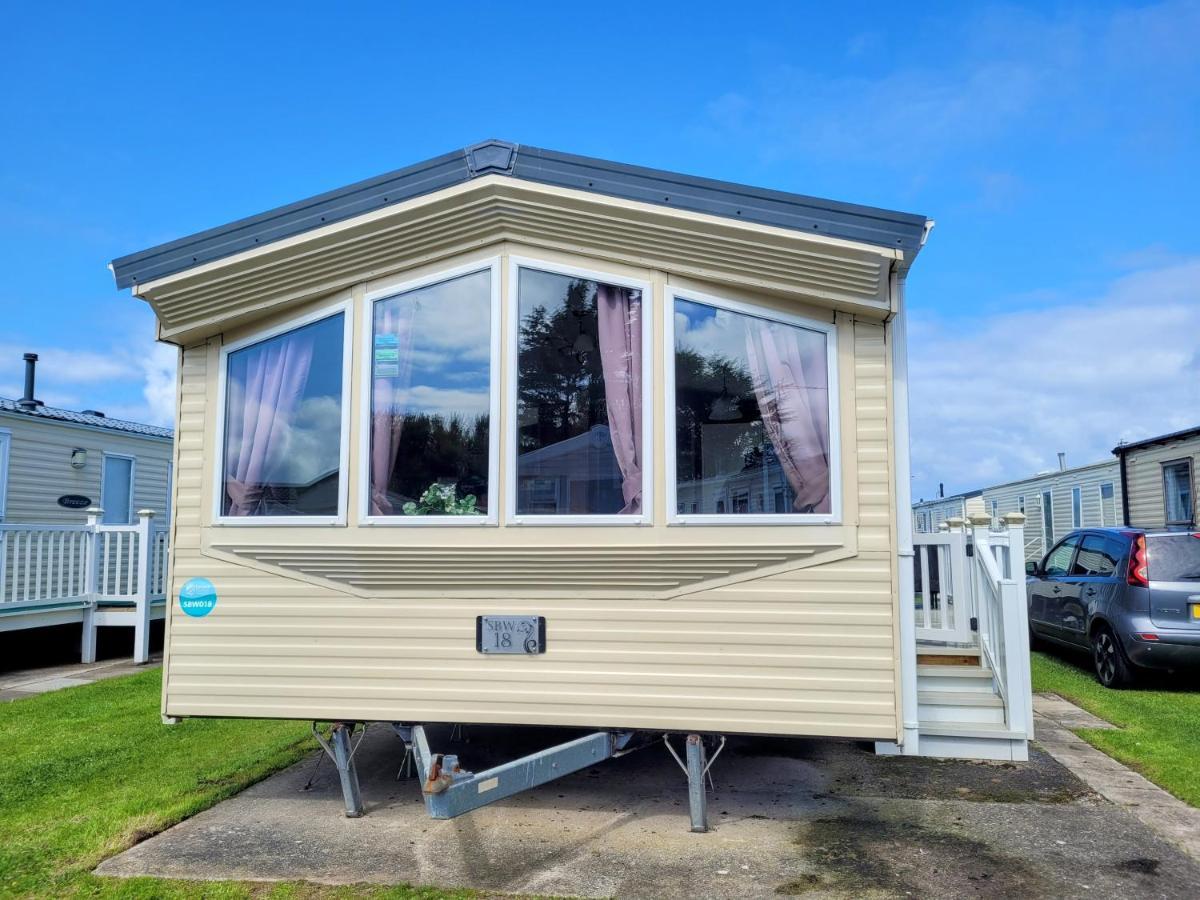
(72, 485)
(1158, 477)
(929, 514)
(1056, 502)
(515, 436)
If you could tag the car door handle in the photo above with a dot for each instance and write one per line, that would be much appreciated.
(1057, 589)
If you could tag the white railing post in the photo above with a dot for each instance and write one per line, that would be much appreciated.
(960, 578)
(1016, 630)
(91, 589)
(141, 626)
(980, 529)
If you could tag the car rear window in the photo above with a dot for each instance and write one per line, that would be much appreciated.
(1173, 557)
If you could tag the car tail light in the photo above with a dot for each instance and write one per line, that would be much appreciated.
(1148, 636)
(1137, 575)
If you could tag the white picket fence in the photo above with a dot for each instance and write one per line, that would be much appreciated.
(112, 574)
(970, 586)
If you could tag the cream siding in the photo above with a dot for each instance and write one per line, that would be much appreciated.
(39, 469)
(1060, 483)
(1143, 471)
(802, 644)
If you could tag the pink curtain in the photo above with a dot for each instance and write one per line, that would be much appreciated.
(275, 373)
(791, 384)
(393, 319)
(620, 324)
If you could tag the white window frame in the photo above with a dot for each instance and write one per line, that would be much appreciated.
(512, 341)
(1100, 496)
(5, 445)
(1076, 506)
(345, 307)
(1021, 504)
(105, 456)
(1191, 481)
(834, 516)
(386, 290)
(1047, 523)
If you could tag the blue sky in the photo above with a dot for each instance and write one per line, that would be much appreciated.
(1057, 306)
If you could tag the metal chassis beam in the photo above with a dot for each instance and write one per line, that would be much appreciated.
(450, 791)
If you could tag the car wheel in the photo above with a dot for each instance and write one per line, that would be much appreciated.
(1113, 669)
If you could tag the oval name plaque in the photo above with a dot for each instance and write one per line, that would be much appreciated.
(74, 501)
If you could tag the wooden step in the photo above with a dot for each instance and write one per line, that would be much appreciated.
(947, 656)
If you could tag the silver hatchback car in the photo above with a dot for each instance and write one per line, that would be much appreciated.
(1129, 596)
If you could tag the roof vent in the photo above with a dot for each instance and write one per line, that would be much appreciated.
(28, 402)
(1062, 461)
(93, 412)
(491, 157)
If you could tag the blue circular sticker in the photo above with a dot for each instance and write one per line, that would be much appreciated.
(197, 597)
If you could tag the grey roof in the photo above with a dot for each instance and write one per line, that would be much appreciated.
(965, 495)
(1162, 438)
(885, 228)
(93, 421)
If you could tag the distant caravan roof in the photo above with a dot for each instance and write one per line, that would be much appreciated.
(884, 228)
(1162, 438)
(89, 418)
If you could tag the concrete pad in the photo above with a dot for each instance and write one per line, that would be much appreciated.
(1155, 808)
(820, 818)
(1066, 713)
(22, 683)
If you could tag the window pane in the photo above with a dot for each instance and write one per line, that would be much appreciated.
(283, 424)
(1076, 507)
(579, 397)
(431, 397)
(1059, 560)
(117, 491)
(1047, 519)
(1108, 505)
(1177, 490)
(751, 414)
(1095, 557)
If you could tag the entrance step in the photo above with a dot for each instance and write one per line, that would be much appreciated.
(974, 679)
(966, 708)
(929, 655)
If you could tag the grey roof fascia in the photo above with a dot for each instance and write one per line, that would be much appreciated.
(295, 218)
(896, 230)
(1161, 439)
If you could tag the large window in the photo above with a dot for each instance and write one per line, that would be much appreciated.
(116, 490)
(753, 418)
(283, 427)
(579, 414)
(430, 450)
(1177, 492)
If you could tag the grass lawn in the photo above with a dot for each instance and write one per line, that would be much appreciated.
(1159, 722)
(89, 771)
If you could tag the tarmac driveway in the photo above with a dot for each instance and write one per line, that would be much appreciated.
(790, 817)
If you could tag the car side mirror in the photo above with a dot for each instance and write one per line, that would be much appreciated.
(1031, 567)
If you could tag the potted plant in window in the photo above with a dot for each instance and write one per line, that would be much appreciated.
(441, 500)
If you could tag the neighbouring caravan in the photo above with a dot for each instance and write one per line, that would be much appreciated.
(1054, 503)
(515, 436)
(929, 514)
(1159, 480)
(79, 491)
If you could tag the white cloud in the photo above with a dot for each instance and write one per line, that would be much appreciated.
(77, 379)
(995, 397)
